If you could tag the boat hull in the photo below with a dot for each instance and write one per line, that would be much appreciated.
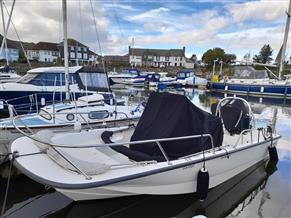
(181, 180)
(274, 91)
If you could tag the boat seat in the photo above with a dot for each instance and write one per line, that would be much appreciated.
(131, 154)
(90, 168)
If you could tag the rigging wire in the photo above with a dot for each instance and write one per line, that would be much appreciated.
(98, 40)
(22, 47)
(60, 23)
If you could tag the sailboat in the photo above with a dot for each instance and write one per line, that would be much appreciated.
(89, 111)
(7, 73)
(248, 81)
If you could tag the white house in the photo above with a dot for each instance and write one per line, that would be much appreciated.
(44, 52)
(159, 58)
(93, 58)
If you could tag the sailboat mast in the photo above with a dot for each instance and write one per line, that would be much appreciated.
(4, 37)
(66, 54)
(285, 41)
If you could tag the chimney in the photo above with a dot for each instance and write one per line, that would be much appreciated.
(184, 50)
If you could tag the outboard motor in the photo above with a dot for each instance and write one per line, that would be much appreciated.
(235, 116)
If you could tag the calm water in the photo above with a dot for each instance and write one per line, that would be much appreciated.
(256, 192)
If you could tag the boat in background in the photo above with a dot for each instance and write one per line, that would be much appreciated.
(188, 78)
(159, 80)
(148, 159)
(128, 76)
(86, 112)
(248, 81)
(46, 85)
(8, 74)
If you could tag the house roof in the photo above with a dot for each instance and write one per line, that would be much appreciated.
(116, 58)
(47, 46)
(73, 42)
(91, 53)
(157, 52)
(16, 44)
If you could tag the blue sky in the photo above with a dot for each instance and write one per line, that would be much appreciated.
(238, 27)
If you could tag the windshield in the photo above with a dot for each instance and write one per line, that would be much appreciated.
(26, 78)
(94, 81)
(47, 79)
(249, 73)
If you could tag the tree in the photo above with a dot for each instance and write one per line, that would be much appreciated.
(217, 54)
(247, 57)
(229, 58)
(265, 55)
(213, 54)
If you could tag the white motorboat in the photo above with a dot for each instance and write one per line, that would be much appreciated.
(173, 144)
(188, 78)
(87, 111)
(8, 74)
(159, 80)
(45, 85)
(128, 77)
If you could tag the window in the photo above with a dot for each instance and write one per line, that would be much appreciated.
(70, 117)
(180, 64)
(85, 49)
(175, 64)
(46, 115)
(85, 56)
(167, 58)
(158, 58)
(79, 49)
(80, 55)
(51, 79)
(98, 114)
(72, 48)
(72, 55)
(94, 81)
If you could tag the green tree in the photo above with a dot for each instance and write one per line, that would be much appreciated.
(229, 58)
(213, 54)
(265, 55)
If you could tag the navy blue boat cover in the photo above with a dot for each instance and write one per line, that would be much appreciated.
(170, 115)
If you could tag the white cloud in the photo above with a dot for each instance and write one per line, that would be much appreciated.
(157, 13)
(258, 10)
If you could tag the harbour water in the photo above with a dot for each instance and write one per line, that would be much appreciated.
(264, 190)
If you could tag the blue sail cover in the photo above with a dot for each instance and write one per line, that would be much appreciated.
(170, 115)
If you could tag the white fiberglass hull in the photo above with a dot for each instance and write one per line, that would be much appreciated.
(176, 181)
(161, 178)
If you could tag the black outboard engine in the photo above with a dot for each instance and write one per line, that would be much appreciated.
(235, 116)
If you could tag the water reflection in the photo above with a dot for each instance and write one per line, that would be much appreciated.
(253, 193)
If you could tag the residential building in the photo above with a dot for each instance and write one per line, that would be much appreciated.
(159, 58)
(44, 52)
(93, 58)
(12, 50)
(78, 52)
(116, 60)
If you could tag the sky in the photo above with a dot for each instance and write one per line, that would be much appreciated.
(237, 26)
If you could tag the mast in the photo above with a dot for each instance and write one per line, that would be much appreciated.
(66, 54)
(4, 31)
(281, 65)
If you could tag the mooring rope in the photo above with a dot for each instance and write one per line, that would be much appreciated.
(7, 185)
